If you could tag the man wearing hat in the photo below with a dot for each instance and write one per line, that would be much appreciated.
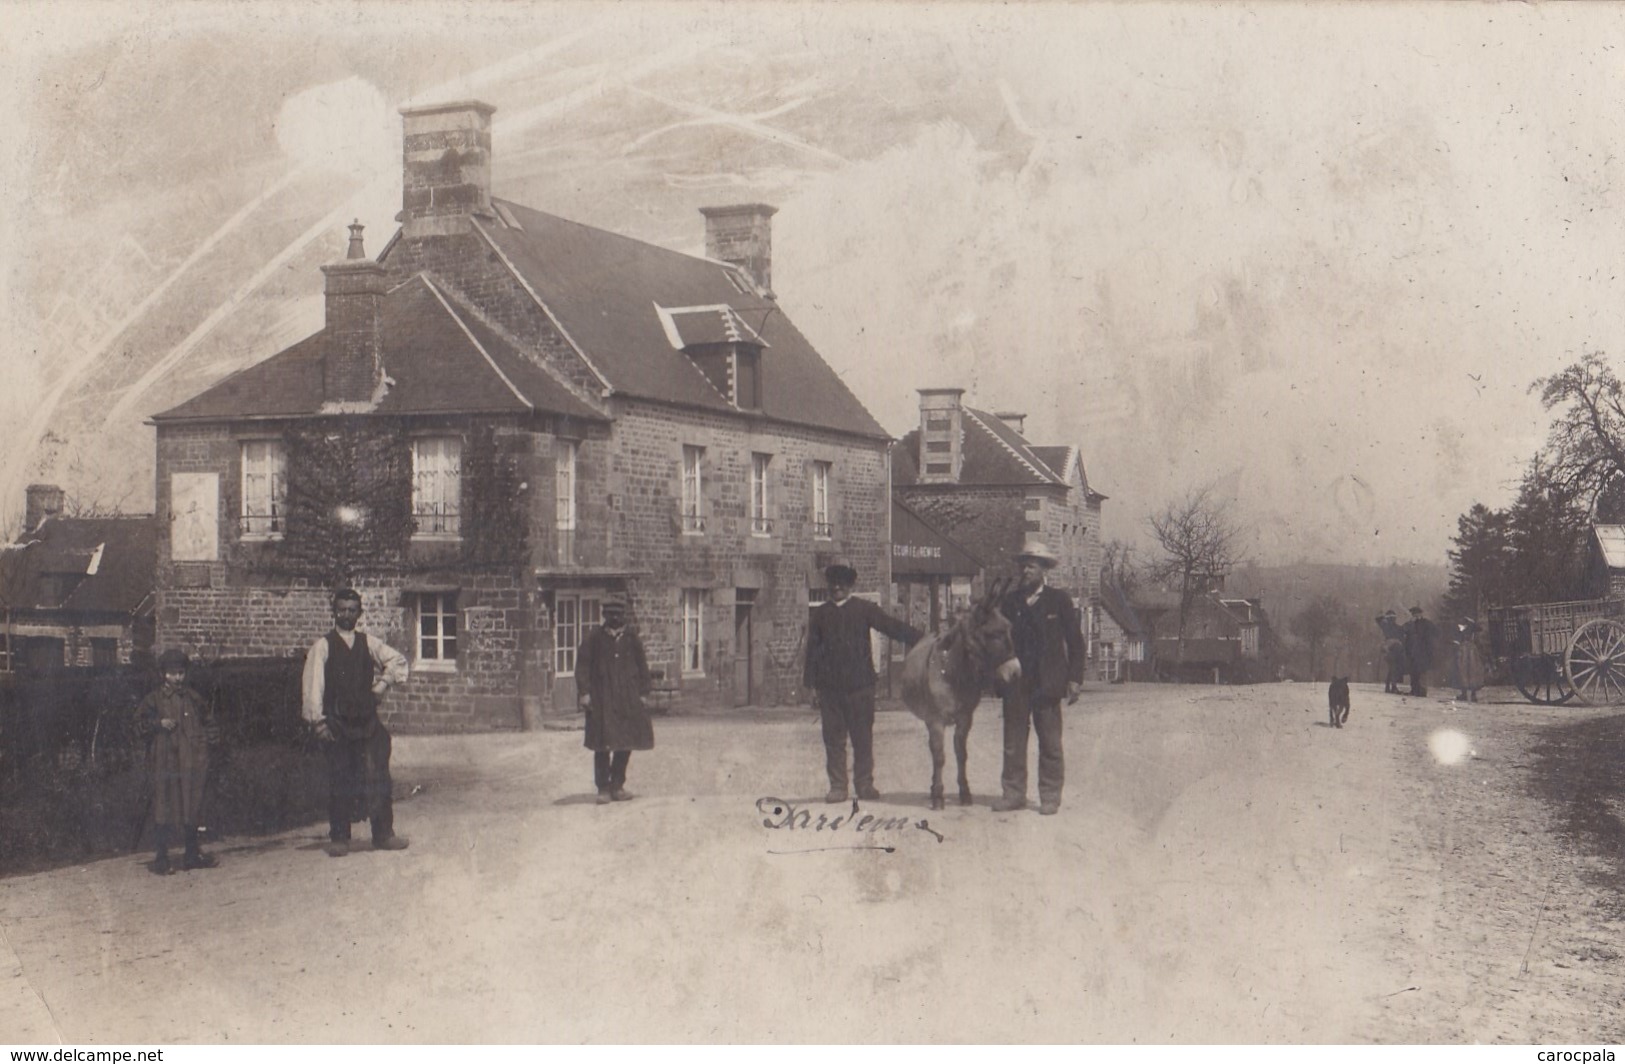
(1419, 645)
(1049, 644)
(840, 672)
(612, 676)
(176, 723)
(346, 673)
(1393, 651)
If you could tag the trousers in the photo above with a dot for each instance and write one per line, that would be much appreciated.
(609, 771)
(1021, 715)
(849, 713)
(358, 785)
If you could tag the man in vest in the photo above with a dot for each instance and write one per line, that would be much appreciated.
(345, 675)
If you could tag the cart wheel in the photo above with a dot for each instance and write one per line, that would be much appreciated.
(1540, 679)
(1595, 662)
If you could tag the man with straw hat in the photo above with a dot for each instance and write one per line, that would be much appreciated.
(1049, 644)
(840, 672)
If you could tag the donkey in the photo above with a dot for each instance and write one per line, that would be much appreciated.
(944, 676)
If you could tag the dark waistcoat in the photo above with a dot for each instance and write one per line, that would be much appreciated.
(347, 697)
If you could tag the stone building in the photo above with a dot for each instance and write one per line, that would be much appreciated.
(506, 417)
(975, 477)
(75, 592)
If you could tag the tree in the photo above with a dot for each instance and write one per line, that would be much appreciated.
(1548, 534)
(1478, 562)
(1585, 446)
(1200, 544)
(1119, 568)
(1315, 623)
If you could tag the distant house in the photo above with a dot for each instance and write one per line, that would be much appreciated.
(974, 477)
(507, 417)
(1226, 639)
(75, 591)
(1124, 651)
(933, 576)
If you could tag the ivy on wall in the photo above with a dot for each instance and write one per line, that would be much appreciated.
(349, 499)
(495, 532)
(349, 503)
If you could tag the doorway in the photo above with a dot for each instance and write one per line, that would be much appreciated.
(744, 647)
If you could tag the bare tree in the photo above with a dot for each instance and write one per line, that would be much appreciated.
(1119, 568)
(1585, 446)
(1200, 544)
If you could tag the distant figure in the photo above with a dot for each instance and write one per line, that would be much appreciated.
(612, 672)
(1049, 644)
(840, 672)
(346, 674)
(1337, 701)
(1393, 652)
(1469, 661)
(176, 723)
(1420, 640)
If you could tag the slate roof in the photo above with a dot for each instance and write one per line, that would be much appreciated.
(441, 355)
(606, 292)
(114, 558)
(1122, 611)
(994, 455)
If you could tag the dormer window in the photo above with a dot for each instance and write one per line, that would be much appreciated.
(723, 346)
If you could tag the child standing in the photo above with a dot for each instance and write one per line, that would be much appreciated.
(175, 722)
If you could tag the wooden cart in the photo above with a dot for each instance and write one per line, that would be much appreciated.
(1557, 651)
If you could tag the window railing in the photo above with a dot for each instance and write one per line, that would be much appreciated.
(761, 526)
(438, 521)
(262, 524)
(693, 522)
(823, 529)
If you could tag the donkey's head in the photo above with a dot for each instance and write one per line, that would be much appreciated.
(988, 641)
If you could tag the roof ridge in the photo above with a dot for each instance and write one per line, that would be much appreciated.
(557, 324)
(508, 336)
(977, 416)
(510, 205)
(475, 341)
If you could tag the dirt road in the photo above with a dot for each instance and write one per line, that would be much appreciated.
(1224, 868)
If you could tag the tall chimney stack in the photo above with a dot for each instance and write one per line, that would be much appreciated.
(941, 435)
(446, 176)
(743, 235)
(353, 362)
(42, 501)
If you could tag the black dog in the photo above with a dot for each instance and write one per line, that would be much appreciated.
(1337, 700)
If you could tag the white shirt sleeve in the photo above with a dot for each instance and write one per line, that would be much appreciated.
(315, 680)
(390, 663)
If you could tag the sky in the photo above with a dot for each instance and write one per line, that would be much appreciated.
(1311, 255)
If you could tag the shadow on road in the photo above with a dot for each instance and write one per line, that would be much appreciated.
(1576, 768)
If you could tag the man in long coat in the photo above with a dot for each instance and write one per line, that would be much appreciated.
(1393, 651)
(346, 673)
(840, 671)
(1049, 644)
(612, 674)
(177, 726)
(1420, 641)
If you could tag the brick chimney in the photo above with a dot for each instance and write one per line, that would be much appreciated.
(1016, 422)
(446, 175)
(743, 235)
(941, 435)
(353, 365)
(42, 501)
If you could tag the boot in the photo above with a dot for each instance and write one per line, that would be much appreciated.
(194, 857)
